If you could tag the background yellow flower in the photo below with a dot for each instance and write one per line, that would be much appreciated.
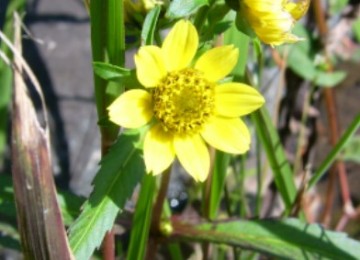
(185, 105)
(273, 20)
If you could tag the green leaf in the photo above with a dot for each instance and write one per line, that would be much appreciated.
(142, 218)
(329, 79)
(110, 72)
(337, 6)
(9, 237)
(356, 29)
(217, 181)
(121, 169)
(243, 25)
(241, 41)
(149, 26)
(352, 150)
(70, 205)
(280, 166)
(182, 8)
(286, 239)
(117, 74)
(7, 203)
(309, 71)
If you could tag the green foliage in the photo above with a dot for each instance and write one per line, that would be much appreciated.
(275, 154)
(149, 26)
(120, 171)
(303, 53)
(352, 150)
(356, 29)
(5, 71)
(183, 8)
(122, 167)
(286, 239)
(337, 6)
(221, 164)
(309, 71)
(142, 218)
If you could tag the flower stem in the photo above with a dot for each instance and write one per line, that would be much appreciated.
(160, 199)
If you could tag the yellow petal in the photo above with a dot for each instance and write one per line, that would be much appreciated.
(180, 45)
(297, 10)
(158, 150)
(236, 99)
(193, 155)
(131, 109)
(228, 135)
(150, 67)
(218, 62)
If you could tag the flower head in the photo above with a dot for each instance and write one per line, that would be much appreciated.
(273, 20)
(184, 103)
(132, 8)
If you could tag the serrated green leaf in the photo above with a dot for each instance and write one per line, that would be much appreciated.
(149, 26)
(286, 239)
(120, 171)
(142, 218)
(183, 8)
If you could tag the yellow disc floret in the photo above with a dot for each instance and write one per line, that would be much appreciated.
(183, 101)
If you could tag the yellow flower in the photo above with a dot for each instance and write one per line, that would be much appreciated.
(273, 20)
(185, 104)
(140, 7)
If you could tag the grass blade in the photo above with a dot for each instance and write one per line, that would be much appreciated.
(331, 157)
(142, 218)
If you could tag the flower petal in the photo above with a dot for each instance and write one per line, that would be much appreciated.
(158, 150)
(236, 99)
(131, 109)
(193, 155)
(180, 45)
(228, 135)
(297, 10)
(150, 66)
(218, 62)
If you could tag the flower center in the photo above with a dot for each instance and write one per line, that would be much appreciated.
(183, 101)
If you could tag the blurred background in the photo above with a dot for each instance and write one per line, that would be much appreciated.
(57, 48)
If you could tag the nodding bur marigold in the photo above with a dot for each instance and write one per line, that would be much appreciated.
(184, 103)
(136, 7)
(273, 20)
